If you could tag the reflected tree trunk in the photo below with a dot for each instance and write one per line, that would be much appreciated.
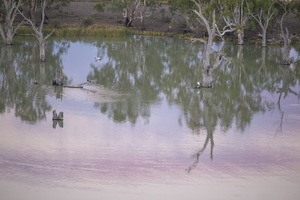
(286, 60)
(42, 76)
(197, 155)
(263, 57)
(279, 129)
(240, 53)
(239, 61)
(262, 63)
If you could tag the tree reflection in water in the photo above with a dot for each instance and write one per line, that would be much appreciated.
(25, 81)
(152, 70)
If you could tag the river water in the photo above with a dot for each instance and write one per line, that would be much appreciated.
(138, 129)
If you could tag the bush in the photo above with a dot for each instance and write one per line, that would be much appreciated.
(99, 7)
(87, 22)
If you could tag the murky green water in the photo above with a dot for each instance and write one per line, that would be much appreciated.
(139, 129)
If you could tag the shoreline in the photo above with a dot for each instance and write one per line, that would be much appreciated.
(96, 30)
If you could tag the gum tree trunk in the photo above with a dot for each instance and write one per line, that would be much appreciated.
(264, 37)
(211, 31)
(263, 17)
(38, 30)
(7, 29)
(240, 37)
(42, 49)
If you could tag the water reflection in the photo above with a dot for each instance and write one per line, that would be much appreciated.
(26, 81)
(139, 119)
(239, 85)
(150, 70)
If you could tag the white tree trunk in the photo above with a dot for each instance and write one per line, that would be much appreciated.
(39, 30)
(7, 30)
(263, 18)
(42, 49)
(211, 29)
(9, 36)
(240, 37)
(264, 37)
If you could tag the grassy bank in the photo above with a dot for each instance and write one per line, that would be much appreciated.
(96, 31)
(114, 31)
(76, 31)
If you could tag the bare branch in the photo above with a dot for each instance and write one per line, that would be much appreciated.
(49, 34)
(199, 13)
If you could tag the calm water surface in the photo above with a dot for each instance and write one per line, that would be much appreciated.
(139, 129)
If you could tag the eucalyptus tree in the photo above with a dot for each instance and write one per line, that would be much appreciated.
(132, 9)
(20, 70)
(262, 11)
(38, 30)
(236, 15)
(205, 12)
(141, 75)
(286, 8)
(10, 12)
(147, 9)
(33, 6)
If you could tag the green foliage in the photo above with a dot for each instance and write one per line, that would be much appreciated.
(56, 23)
(117, 5)
(257, 6)
(182, 6)
(99, 7)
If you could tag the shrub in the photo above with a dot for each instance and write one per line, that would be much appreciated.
(87, 22)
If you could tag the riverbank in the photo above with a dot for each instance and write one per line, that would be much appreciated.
(81, 19)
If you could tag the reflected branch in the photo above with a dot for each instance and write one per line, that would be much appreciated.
(209, 138)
